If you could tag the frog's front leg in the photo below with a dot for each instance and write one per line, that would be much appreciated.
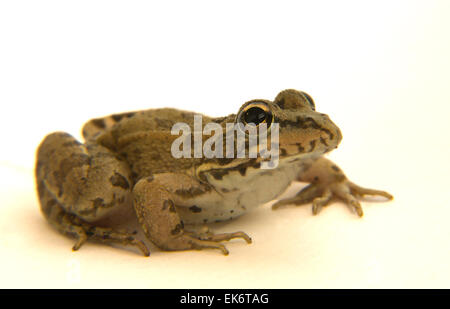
(155, 199)
(328, 182)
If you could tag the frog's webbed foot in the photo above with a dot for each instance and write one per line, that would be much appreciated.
(109, 235)
(331, 185)
(211, 240)
(83, 231)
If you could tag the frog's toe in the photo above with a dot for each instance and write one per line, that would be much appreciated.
(321, 201)
(360, 191)
(141, 246)
(352, 202)
(229, 236)
(207, 234)
(349, 193)
(199, 244)
(81, 239)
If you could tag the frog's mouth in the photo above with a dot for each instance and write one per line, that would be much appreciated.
(321, 144)
(298, 157)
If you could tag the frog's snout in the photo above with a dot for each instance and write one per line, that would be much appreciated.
(331, 131)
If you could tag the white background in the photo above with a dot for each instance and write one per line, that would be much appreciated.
(381, 70)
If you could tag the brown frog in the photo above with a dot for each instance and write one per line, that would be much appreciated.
(127, 162)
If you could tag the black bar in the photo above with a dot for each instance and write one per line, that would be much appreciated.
(218, 298)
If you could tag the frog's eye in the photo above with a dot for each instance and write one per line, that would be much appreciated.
(255, 113)
(310, 100)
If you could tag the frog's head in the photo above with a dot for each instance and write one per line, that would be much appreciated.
(303, 132)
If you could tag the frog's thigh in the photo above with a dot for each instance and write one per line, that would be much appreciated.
(87, 180)
(77, 184)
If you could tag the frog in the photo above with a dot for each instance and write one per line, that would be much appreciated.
(125, 164)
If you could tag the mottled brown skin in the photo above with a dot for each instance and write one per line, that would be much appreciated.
(126, 163)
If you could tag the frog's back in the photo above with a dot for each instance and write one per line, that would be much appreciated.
(160, 119)
(143, 139)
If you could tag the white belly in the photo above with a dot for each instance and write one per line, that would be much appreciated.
(236, 194)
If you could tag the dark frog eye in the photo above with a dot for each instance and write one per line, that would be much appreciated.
(255, 113)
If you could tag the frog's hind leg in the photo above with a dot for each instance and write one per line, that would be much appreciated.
(79, 185)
